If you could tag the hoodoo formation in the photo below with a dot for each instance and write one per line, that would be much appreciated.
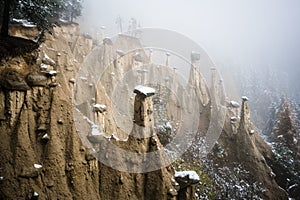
(70, 129)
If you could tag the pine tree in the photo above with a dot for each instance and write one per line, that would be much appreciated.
(5, 19)
(43, 13)
(72, 10)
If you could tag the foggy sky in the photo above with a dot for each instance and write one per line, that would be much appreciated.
(259, 33)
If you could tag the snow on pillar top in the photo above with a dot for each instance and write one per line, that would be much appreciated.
(147, 91)
(245, 113)
(143, 106)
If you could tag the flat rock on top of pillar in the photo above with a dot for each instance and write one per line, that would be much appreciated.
(195, 56)
(147, 91)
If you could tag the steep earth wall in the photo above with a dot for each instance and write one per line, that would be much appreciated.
(41, 153)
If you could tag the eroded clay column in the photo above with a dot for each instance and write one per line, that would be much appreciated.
(143, 106)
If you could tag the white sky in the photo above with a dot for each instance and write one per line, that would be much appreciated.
(234, 32)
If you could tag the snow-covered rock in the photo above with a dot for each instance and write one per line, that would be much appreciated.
(186, 178)
(234, 104)
(47, 60)
(244, 98)
(147, 91)
(99, 108)
(43, 66)
(37, 166)
(192, 175)
(114, 135)
(51, 73)
(72, 80)
(35, 194)
(46, 137)
(172, 192)
(233, 119)
(120, 52)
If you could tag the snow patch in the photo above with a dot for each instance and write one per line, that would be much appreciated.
(114, 135)
(244, 98)
(24, 23)
(100, 107)
(35, 194)
(46, 136)
(192, 175)
(72, 80)
(44, 66)
(51, 73)
(295, 141)
(144, 90)
(234, 104)
(37, 166)
(292, 186)
(233, 119)
(63, 20)
(48, 59)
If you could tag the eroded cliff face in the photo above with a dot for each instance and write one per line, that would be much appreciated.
(245, 152)
(40, 150)
(238, 166)
(57, 116)
(42, 154)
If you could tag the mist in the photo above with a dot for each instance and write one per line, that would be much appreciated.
(261, 35)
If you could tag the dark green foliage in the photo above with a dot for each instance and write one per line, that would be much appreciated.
(43, 13)
(284, 133)
(72, 9)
